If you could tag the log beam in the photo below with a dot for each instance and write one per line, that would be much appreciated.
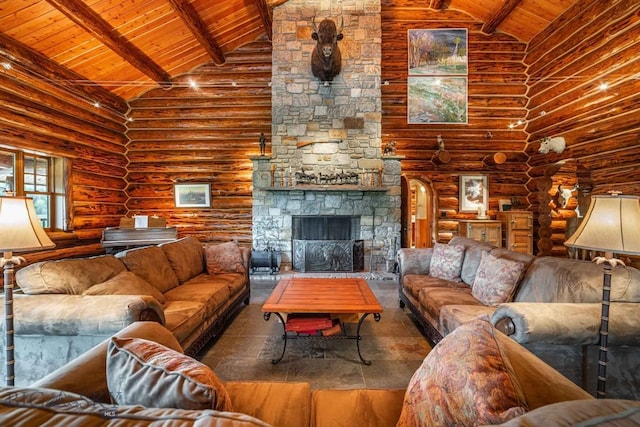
(437, 4)
(267, 17)
(189, 15)
(494, 159)
(61, 76)
(500, 15)
(93, 23)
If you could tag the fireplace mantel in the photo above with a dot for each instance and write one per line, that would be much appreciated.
(328, 188)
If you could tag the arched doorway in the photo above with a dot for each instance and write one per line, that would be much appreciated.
(418, 213)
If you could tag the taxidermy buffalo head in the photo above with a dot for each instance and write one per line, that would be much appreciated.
(326, 60)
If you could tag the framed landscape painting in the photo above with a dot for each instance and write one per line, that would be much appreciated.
(474, 193)
(437, 100)
(438, 52)
(194, 195)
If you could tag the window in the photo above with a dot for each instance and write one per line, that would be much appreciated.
(39, 177)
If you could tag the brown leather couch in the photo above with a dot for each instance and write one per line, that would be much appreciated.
(554, 311)
(65, 307)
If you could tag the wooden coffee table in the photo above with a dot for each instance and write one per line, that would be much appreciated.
(322, 296)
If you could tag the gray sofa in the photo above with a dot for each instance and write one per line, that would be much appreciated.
(554, 310)
(65, 307)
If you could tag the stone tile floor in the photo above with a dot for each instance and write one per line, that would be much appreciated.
(395, 346)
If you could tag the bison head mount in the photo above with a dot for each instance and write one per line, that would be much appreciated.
(326, 60)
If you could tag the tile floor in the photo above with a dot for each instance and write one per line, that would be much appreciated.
(395, 346)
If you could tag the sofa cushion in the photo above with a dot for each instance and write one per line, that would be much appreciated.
(465, 380)
(356, 407)
(142, 372)
(446, 261)
(41, 406)
(281, 404)
(152, 265)
(125, 283)
(587, 412)
(67, 276)
(432, 300)
(496, 279)
(210, 293)
(414, 283)
(186, 257)
(184, 317)
(454, 316)
(224, 258)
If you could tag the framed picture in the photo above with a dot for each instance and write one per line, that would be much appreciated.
(433, 100)
(474, 193)
(192, 195)
(437, 52)
(504, 205)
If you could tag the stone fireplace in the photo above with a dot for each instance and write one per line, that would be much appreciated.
(326, 158)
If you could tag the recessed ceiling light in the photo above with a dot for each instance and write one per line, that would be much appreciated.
(603, 86)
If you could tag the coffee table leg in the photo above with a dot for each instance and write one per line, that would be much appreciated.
(376, 317)
(284, 335)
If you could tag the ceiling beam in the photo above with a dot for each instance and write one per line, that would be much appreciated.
(267, 17)
(437, 4)
(90, 21)
(500, 15)
(198, 28)
(47, 69)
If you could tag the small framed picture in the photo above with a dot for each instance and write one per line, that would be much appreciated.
(504, 205)
(192, 195)
(474, 193)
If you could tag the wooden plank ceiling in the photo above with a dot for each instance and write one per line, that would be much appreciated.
(130, 46)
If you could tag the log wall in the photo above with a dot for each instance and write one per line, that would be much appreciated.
(497, 98)
(594, 42)
(42, 111)
(202, 135)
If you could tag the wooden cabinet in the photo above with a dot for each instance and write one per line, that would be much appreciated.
(518, 230)
(483, 230)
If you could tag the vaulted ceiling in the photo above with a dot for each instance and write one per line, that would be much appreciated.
(130, 46)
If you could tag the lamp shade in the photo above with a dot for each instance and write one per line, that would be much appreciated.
(20, 228)
(611, 224)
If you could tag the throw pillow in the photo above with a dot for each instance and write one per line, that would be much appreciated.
(465, 380)
(125, 283)
(224, 258)
(496, 279)
(142, 372)
(446, 261)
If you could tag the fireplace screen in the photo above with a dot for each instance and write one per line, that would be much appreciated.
(327, 243)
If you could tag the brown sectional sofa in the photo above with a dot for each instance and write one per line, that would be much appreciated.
(79, 392)
(65, 307)
(554, 311)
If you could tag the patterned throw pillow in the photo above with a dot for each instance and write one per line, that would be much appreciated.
(464, 381)
(142, 372)
(224, 258)
(496, 279)
(446, 261)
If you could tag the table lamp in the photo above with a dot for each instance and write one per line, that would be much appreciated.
(611, 225)
(20, 230)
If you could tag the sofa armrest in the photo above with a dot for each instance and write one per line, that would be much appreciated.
(61, 314)
(414, 260)
(87, 374)
(567, 323)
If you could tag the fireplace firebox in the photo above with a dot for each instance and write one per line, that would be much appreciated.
(327, 243)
